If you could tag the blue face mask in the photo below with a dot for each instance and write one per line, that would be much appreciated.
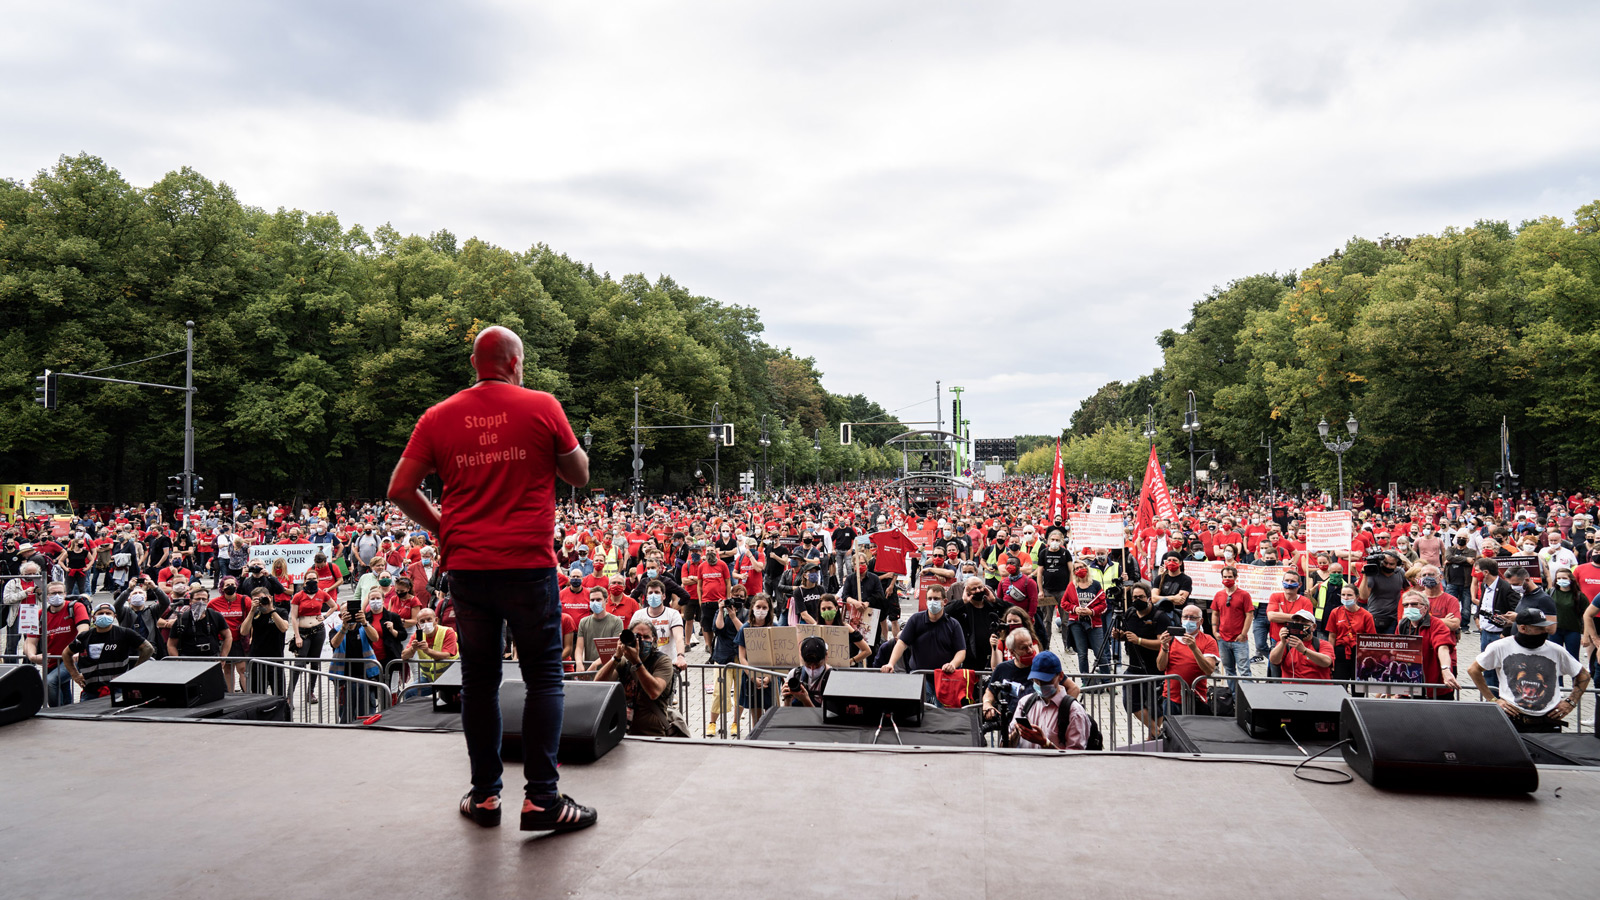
(1413, 614)
(1044, 690)
(935, 607)
(1291, 587)
(597, 607)
(102, 621)
(654, 600)
(650, 573)
(1191, 626)
(1349, 602)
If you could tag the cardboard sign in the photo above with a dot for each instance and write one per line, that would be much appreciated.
(779, 647)
(1393, 658)
(1331, 530)
(1101, 531)
(298, 557)
(1100, 505)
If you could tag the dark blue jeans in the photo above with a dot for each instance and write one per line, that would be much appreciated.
(528, 601)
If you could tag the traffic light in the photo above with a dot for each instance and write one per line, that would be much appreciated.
(195, 484)
(727, 434)
(45, 392)
(174, 488)
(638, 458)
(846, 434)
(1499, 481)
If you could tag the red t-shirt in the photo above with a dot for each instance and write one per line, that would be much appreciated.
(310, 605)
(63, 627)
(575, 604)
(1234, 610)
(1279, 603)
(1296, 665)
(1436, 634)
(233, 611)
(1182, 663)
(714, 577)
(495, 446)
(622, 606)
(1588, 576)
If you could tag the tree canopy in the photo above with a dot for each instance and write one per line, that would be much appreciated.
(317, 346)
(1429, 341)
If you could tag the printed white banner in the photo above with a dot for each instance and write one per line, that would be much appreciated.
(1101, 531)
(1260, 582)
(1330, 530)
(298, 557)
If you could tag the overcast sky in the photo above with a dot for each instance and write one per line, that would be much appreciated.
(1011, 197)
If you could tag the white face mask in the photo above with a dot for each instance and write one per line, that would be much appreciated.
(427, 627)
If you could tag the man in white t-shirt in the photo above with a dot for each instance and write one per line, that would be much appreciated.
(665, 621)
(1530, 669)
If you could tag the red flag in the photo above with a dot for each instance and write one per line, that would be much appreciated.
(1058, 488)
(1154, 501)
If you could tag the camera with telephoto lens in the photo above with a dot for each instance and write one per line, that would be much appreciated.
(627, 638)
(1005, 704)
(736, 602)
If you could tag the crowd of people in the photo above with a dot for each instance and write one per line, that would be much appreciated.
(998, 588)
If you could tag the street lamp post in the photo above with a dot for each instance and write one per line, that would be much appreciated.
(766, 441)
(816, 447)
(1339, 447)
(1191, 424)
(1150, 424)
(588, 441)
(715, 434)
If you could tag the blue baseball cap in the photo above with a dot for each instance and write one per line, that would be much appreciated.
(1046, 666)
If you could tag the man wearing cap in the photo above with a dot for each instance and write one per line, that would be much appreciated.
(1050, 718)
(100, 654)
(1299, 653)
(1530, 669)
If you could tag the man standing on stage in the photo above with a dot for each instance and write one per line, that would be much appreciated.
(498, 448)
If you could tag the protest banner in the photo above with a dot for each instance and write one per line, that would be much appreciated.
(1393, 658)
(1101, 531)
(298, 557)
(1100, 505)
(1330, 530)
(1260, 582)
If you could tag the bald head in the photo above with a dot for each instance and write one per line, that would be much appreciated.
(497, 354)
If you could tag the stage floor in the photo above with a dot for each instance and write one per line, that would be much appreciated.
(197, 809)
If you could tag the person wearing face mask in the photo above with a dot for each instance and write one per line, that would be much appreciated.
(1141, 632)
(1380, 589)
(575, 595)
(434, 645)
(756, 691)
(1438, 645)
(1232, 611)
(1008, 678)
(806, 683)
(1530, 671)
(64, 619)
(1441, 605)
(601, 623)
(1172, 587)
(1083, 609)
(1053, 572)
(1347, 620)
(1192, 658)
(647, 682)
(199, 630)
(142, 607)
(933, 640)
(665, 622)
(265, 624)
(101, 653)
(980, 619)
(1569, 603)
(1281, 606)
(1299, 653)
(1049, 716)
(355, 648)
(235, 609)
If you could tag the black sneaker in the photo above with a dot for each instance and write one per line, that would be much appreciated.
(485, 813)
(559, 816)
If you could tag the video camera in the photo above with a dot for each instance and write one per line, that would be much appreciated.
(1298, 628)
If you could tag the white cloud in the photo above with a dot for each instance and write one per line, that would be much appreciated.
(1013, 197)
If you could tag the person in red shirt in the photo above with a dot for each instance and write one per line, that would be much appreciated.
(1301, 654)
(575, 595)
(402, 600)
(1281, 605)
(233, 606)
(1193, 658)
(1345, 622)
(64, 621)
(1588, 578)
(308, 607)
(708, 581)
(1438, 647)
(498, 448)
(1232, 611)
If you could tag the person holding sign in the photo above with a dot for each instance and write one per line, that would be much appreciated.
(1438, 643)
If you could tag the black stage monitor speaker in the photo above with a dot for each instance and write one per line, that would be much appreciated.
(593, 721)
(863, 695)
(1449, 746)
(21, 693)
(166, 682)
(1310, 711)
(447, 690)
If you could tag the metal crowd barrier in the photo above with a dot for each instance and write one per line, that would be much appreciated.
(340, 699)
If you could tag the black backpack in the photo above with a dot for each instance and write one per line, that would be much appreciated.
(1096, 740)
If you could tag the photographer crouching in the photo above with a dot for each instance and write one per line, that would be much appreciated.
(808, 681)
(1299, 653)
(647, 677)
